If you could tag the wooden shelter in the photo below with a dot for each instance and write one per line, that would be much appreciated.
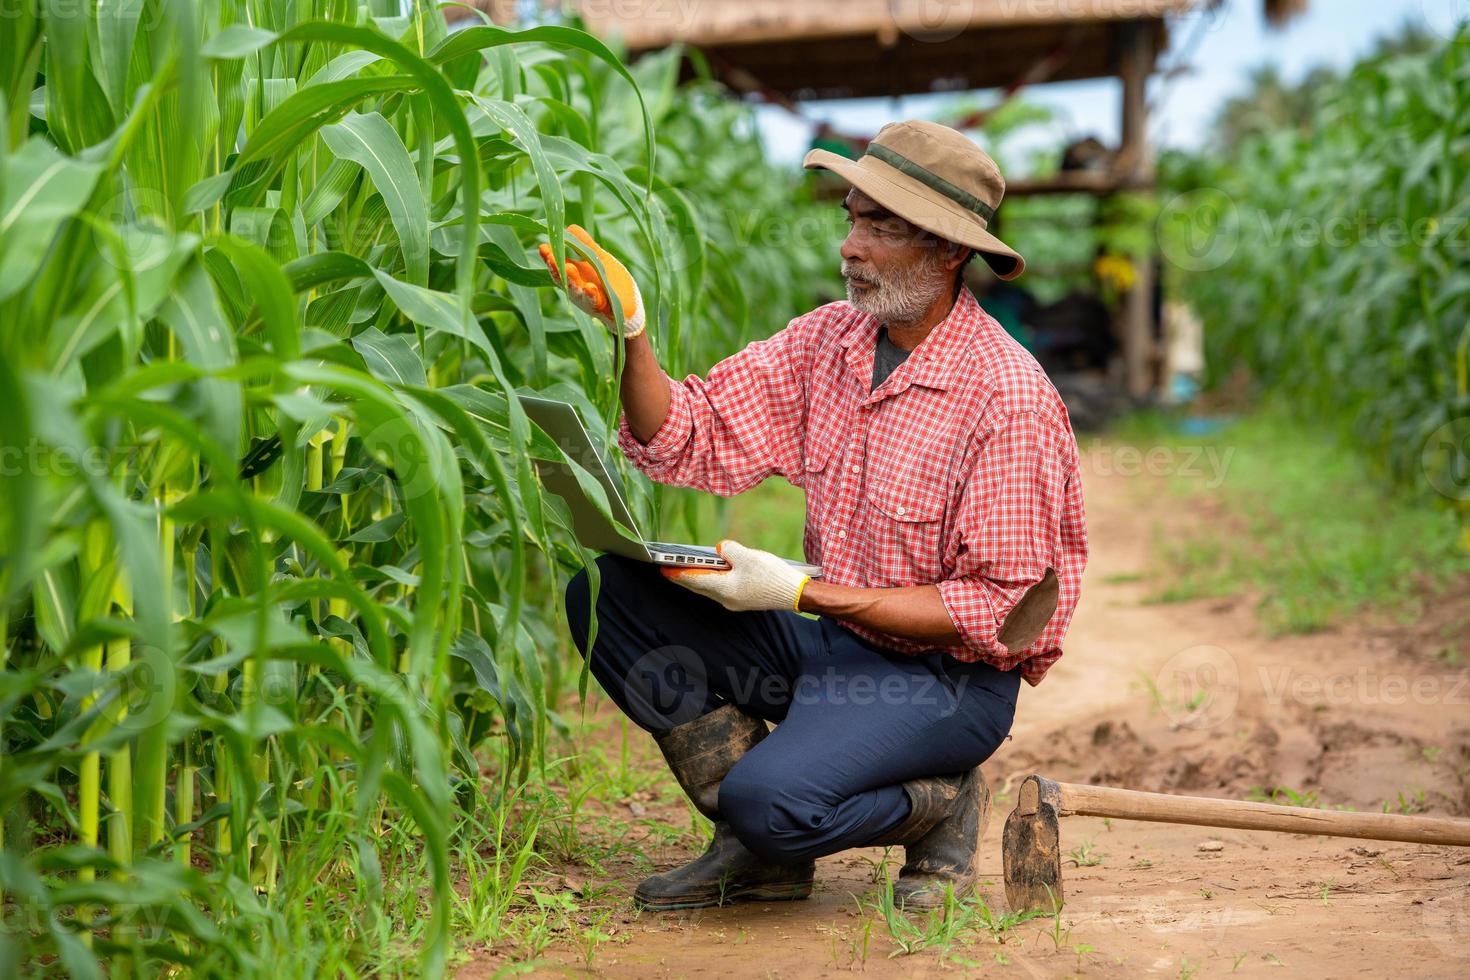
(842, 49)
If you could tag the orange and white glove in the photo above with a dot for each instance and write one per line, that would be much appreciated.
(755, 579)
(591, 294)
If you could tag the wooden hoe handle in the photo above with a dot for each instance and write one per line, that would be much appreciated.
(1127, 804)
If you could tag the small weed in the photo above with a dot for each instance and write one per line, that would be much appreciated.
(1413, 803)
(1125, 578)
(1284, 795)
(939, 928)
(862, 943)
(1155, 695)
(1081, 950)
(1059, 937)
(1450, 654)
(1085, 856)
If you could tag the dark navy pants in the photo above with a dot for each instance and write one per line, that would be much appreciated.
(853, 721)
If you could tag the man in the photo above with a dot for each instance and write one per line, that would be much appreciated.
(943, 504)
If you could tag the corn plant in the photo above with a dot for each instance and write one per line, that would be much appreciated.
(276, 562)
(1331, 260)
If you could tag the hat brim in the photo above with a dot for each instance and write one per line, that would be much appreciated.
(921, 206)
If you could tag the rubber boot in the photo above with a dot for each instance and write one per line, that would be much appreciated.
(700, 753)
(941, 838)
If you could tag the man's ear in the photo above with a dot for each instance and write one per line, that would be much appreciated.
(955, 255)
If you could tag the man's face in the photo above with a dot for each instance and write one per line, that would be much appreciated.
(894, 270)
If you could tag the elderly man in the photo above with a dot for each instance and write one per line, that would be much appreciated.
(943, 504)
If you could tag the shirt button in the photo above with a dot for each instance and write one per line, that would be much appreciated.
(898, 510)
(856, 468)
(842, 534)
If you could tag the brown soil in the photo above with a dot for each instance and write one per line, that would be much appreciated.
(1188, 698)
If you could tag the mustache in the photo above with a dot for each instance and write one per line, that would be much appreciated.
(855, 274)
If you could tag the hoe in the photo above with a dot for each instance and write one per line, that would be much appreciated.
(1032, 843)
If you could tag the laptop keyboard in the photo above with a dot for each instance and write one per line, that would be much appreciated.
(682, 549)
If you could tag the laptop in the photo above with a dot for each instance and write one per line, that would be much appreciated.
(561, 422)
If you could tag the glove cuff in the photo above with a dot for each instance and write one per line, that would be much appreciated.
(781, 588)
(634, 322)
(800, 588)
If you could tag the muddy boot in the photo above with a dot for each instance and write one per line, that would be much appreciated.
(941, 838)
(700, 753)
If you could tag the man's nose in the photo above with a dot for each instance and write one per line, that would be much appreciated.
(852, 250)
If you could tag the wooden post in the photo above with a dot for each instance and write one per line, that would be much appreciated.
(1135, 63)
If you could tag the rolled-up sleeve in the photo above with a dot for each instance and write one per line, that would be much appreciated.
(733, 428)
(669, 442)
(1006, 533)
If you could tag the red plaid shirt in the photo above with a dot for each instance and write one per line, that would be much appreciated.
(960, 470)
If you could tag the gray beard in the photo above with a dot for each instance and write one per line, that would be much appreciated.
(903, 296)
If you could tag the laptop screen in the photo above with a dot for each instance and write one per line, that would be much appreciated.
(561, 422)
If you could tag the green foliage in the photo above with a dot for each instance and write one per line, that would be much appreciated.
(276, 563)
(1331, 261)
(1300, 521)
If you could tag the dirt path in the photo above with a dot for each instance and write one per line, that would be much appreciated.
(1186, 698)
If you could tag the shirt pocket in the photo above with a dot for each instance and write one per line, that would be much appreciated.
(907, 518)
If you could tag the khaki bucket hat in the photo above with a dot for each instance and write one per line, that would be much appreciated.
(934, 177)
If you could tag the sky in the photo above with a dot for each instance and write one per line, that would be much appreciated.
(1233, 41)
